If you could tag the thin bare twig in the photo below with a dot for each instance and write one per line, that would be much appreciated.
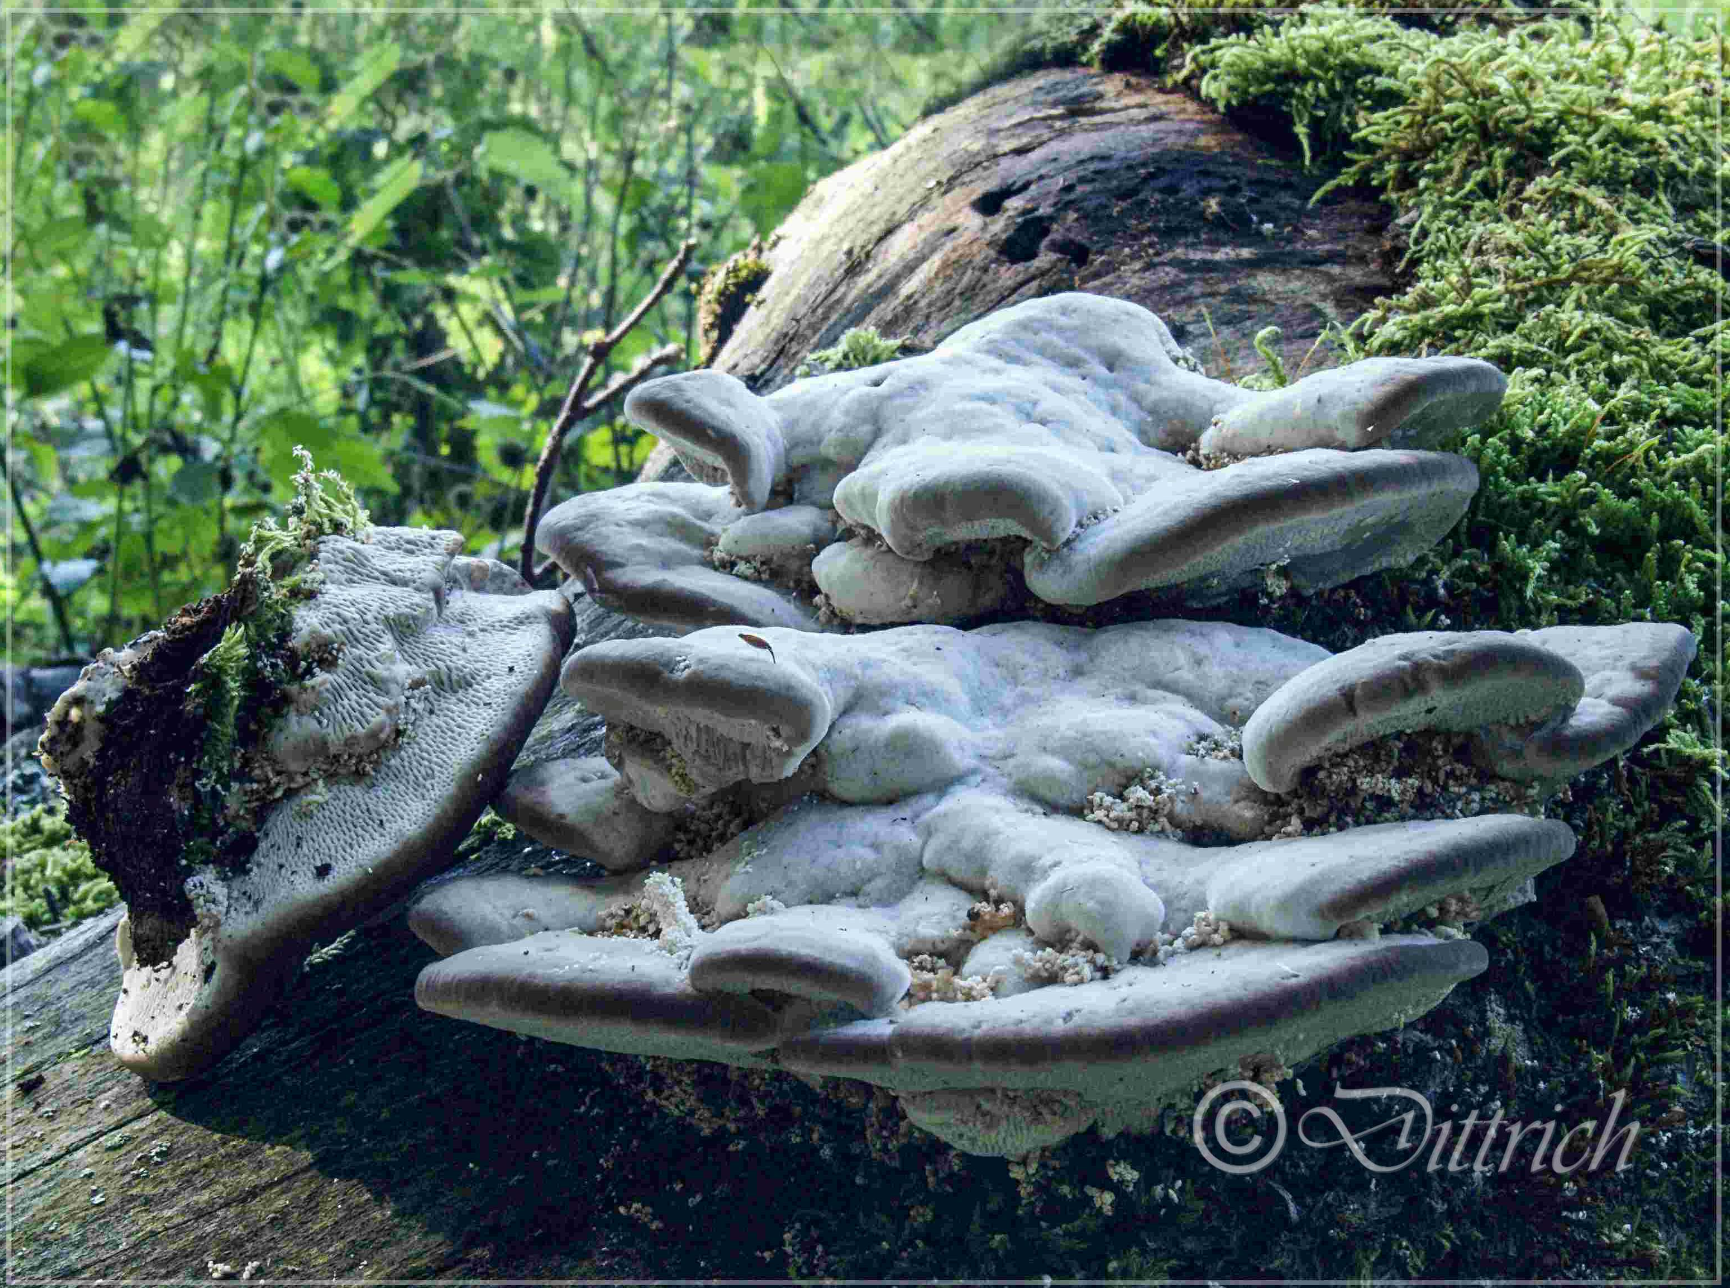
(49, 592)
(577, 405)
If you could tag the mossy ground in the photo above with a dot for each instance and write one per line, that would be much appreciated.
(52, 881)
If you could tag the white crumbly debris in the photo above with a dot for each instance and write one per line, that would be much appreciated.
(664, 896)
(1072, 965)
(1421, 775)
(1208, 931)
(706, 826)
(1193, 455)
(1263, 1068)
(1217, 746)
(1144, 807)
(935, 980)
(1406, 776)
(744, 569)
(661, 914)
(1122, 1173)
(1276, 582)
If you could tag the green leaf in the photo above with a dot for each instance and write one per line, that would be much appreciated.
(136, 34)
(375, 68)
(316, 183)
(55, 239)
(100, 114)
(213, 387)
(147, 231)
(770, 192)
(296, 66)
(196, 482)
(526, 156)
(185, 114)
(281, 433)
(640, 191)
(48, 369)
(540, 295)
(394, 187)
(359, 460)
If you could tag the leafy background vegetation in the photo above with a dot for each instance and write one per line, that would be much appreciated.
(388, 237)
(385, 237)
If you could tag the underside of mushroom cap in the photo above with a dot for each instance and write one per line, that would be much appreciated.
(928, 494)
(734, 712)
(715, 423)
(1150, 1029)
(826, 955)
(644, 549)
(583, 807)
(407, 681)
(1325, 516)
(1445, 680)
(1376, 402)
(500, 908)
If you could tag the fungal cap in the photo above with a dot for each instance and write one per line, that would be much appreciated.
(1443, 680)
(334, 851)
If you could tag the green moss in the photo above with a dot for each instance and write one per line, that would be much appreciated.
(1132, 36)
(1555, 185)
(1324, 71)
(51, 878)
(860, 347)
(728, 290)
(1057, 37)
(324, 505)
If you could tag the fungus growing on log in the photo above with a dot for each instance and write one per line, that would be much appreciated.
(285, 758)
(1032, 877)
(1060, 434)
(943, 767)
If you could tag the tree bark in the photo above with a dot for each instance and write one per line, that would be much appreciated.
(1069, 180)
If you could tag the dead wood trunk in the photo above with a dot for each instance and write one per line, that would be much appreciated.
(1061, 181)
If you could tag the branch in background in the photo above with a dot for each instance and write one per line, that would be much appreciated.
(577, 406)
(53, 595)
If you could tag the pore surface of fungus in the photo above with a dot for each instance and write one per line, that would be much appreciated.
(945, 910)
(281, 760)
(1059, 436)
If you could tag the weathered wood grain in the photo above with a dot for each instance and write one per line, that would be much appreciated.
(1059, 181)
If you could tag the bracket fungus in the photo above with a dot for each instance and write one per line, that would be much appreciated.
(952, 909)
(1068, 436)
(1031, 877)
(283, 759)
